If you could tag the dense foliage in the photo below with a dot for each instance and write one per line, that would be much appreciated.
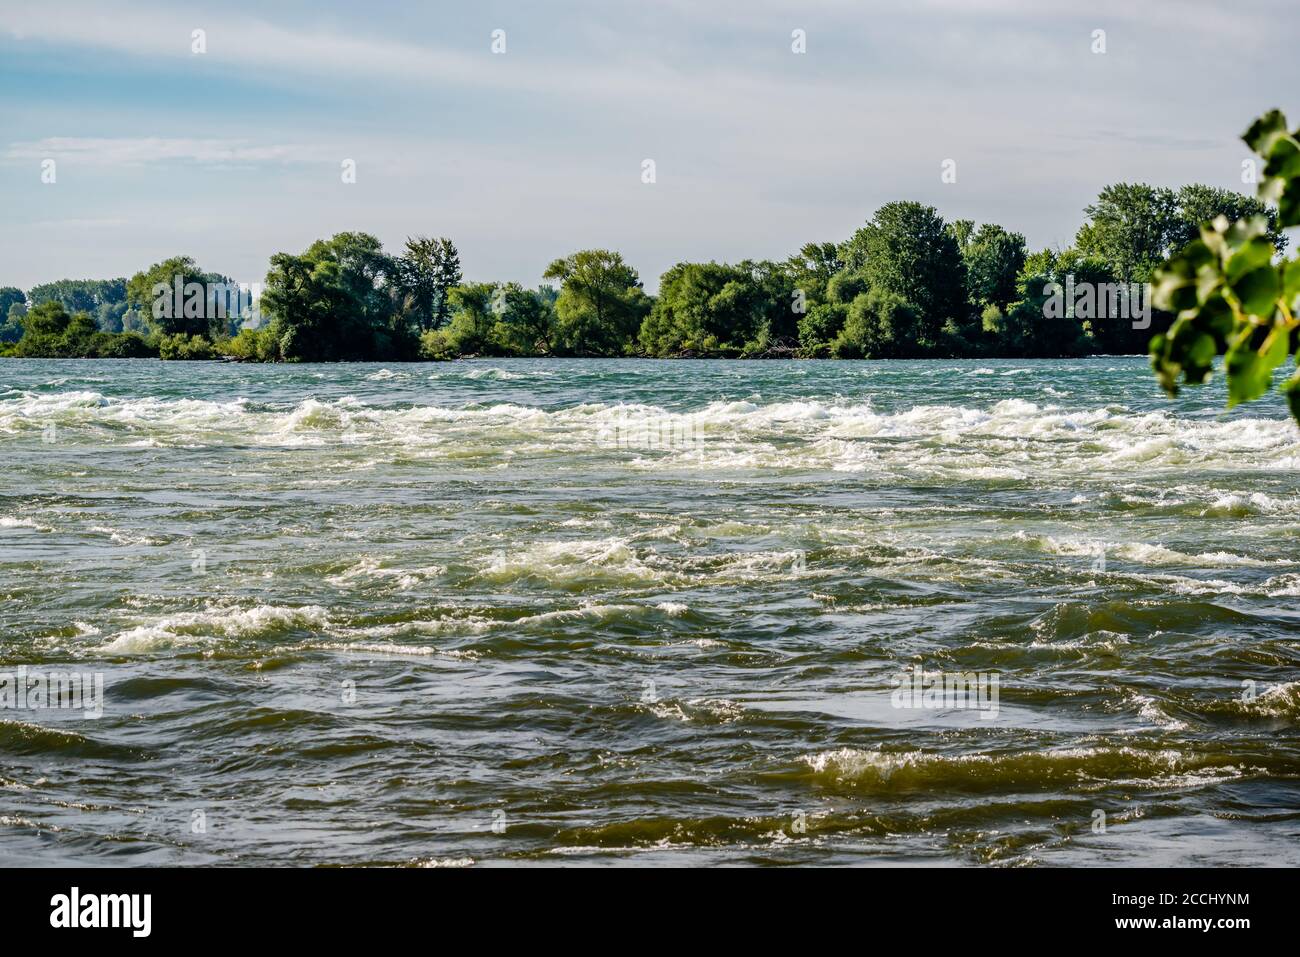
(906, 284)
(1230, 295)
(51, 331)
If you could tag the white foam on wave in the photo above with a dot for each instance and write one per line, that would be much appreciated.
(391, 648)
(1009, 439)
(1164, 767)
(574, 560)
(372, 569)
(461, 625)
(494, 373)
(1150, 710)
(1279, 701)
(697, 710)
(11, 521)
(184, 628)
(1144, 553)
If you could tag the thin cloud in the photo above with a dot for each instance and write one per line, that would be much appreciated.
(140, 151)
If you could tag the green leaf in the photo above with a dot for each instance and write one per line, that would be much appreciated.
(1172, 291)
(1217, 318)
(1291, 284)
(1281, 180)
(1283, 159)
(1243, 231)
(1288, 205)
(1198, 360)
(1250, 370)
(1264, 131)
(1176, 284)
(1249, 256)
(1209, 283)
(1247, 325)
(1258, 291)
(1291, 389)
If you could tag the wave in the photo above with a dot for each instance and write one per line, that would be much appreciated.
(1281, 701)
(1012, 438)
(22, 738)
(369, 569)
(1142, 553)
(695, 710)
(912, 770)
(574, 562)
(494, 374)
(185, 628)
(11, 521)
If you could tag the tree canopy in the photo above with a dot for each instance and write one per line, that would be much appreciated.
(601, 303)
(907, 284)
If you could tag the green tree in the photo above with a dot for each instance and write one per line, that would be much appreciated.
(601, 303)
(907, 250)
(76, 295)
(526, 323)
(104, 299)
(181, 346)
(335, 302)
(812, 267)
(11, 328)
(252, 345)
(1042, 322)
(962, 231)
(799, 289)
(821, 324)
(704, 306)
(994, 259)
(152, 294)
(81, 337)
(476, 308)
(878, 325)
(10, 296)
(1133, 226)
(425, 276)
(1097, 311)
(365, 272)
(50, 331)
(1199, 204)
(1130, 227)
(49, 318)
(309, 308)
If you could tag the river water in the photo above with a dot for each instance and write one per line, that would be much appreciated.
(570, 611)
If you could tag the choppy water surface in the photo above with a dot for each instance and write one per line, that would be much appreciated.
(455, 613)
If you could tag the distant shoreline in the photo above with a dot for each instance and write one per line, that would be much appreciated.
(691, 358)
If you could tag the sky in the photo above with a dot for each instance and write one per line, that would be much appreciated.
(523, 156)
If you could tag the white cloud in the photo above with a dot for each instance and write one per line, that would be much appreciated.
(530, 155)
(138, 151)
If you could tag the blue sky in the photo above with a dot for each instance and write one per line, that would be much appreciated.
(522, 157)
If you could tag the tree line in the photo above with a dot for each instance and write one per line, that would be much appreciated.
(908, 284)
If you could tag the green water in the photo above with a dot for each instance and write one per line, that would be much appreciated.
(635, 612)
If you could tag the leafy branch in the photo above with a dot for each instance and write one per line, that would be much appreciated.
(1230, 298)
